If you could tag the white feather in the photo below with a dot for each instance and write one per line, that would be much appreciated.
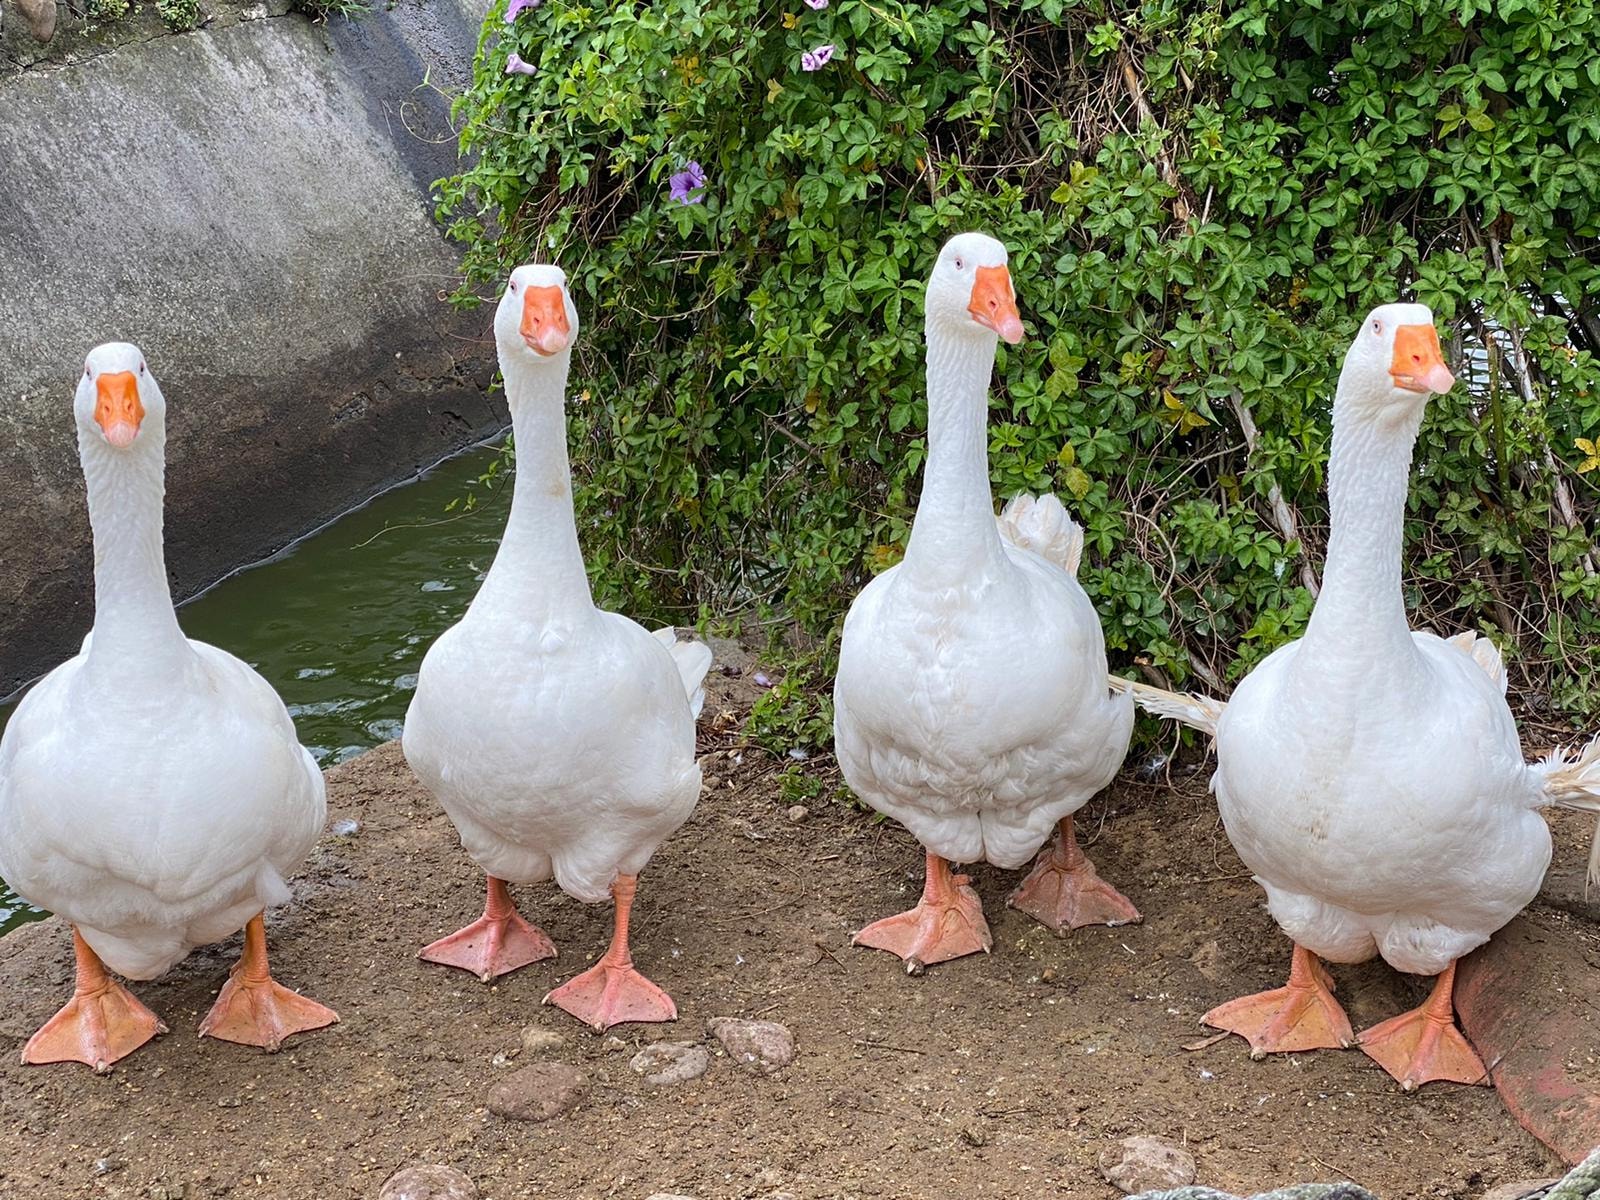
(1041, 524)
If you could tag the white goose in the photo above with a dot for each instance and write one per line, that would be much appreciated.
(560, 738)
(152, 790)
(1371, 776)
(971, 703)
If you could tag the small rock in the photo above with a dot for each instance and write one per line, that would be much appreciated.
(538, 1041)
(798, 813)
(1517, 1189)
(538, 1093)
(614, 1045)
(428, 1181)
(104, 1166)
(501, 1059)
(665, 1063)
(1146, 1164)
(712, 782)
(764, 1045)
(253, 12)
(667, 1196)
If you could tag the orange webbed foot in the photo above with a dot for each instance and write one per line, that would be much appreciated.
(1303, 1015)
(1064, 891)
(1425, 1044)
(253, 1009)
(103, 1022)
(947, 923)
(496, 944)
(611, 993)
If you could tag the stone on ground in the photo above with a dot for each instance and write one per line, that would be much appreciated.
(666, 1063)
(1146, 1164)
(761, 1045)
(428, 1181)
(538, 1093)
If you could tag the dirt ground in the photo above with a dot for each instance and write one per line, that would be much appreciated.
(996, 1076)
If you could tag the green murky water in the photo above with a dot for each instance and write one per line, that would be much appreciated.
(339, 622)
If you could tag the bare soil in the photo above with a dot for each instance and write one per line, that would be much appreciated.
(995, 1076)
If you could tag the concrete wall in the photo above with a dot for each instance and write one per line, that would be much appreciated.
(249, 203)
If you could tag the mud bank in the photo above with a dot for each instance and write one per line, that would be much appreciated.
(248, 202)
(996, 1076)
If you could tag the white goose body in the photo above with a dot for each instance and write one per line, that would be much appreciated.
(152, 789)
(971, 703)
(1371, 776)
(1385, 808)
(559, 738)
(558, 749)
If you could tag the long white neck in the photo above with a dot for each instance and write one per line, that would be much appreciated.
(1360, 617)
(538, 570)
(135, 627)
(953, 536)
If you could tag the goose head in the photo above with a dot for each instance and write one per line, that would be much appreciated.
(118, 403)
(1394, 364)
(536, 321)
(970, 293)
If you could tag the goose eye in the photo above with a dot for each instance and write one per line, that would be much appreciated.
(513, 289)
(1377, 327)
(141, 368)
(960, 265)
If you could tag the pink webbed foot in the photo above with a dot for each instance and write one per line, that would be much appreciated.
(1303, 1015)
(496, 944)
(1425, 1044)
(103, 1022)
(947, 923)
(1064, 891)
(612, 992)
(253, 1009)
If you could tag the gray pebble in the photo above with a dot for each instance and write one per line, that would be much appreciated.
(764, 1046)
(666, 1063)
(1146, 1164)
(428, 1181)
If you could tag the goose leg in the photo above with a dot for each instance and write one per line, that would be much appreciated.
(947, 923)
(612, 992)
(100, 1024)
(1064, 891)
(1425, 1044)
(253, 1009)
(496, 943)
(1303, 1015)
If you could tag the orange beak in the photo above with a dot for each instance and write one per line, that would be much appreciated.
(544, 320)
(117, 409)
(1418, 363)
(994, 303)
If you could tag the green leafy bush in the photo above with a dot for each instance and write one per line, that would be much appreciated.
(180, 15)
(1201, 200)
(107, 10)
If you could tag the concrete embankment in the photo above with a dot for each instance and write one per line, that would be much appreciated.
(250, 203)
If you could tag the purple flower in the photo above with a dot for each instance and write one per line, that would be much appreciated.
(516, 6)
(815, 60)
(515, 66)
(819, 5)
(688, 185)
